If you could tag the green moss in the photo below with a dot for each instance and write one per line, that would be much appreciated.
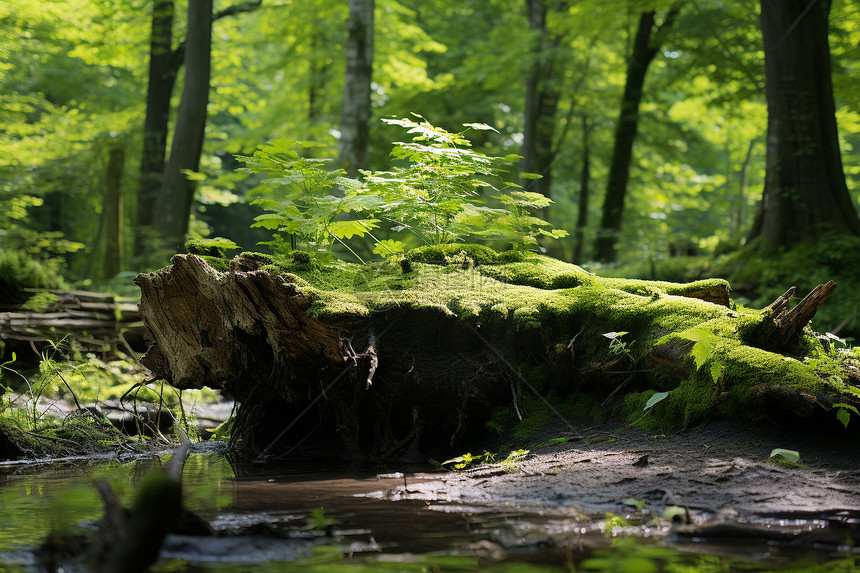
(548, 306)
(437, 253)
(210, 247)
(217, 263)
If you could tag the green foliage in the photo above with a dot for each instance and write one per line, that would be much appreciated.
(442, 193)
(440, 196)
(303, 198)
(40, 302)
(785, 458)
(467, 460)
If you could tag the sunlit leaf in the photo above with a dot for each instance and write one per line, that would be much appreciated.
(655, 399)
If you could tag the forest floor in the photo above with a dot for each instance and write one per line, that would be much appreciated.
(711, 483)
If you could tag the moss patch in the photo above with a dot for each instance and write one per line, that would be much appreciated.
(548, 318)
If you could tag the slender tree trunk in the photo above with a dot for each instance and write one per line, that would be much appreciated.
(164, 63)
(741, 211)
(541, 103)
(177, 191)
(355, 110)
(646, 45)
(112, 212)
(805, 193)
(584, 192)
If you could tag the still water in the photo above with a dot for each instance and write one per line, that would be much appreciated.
(312, 517)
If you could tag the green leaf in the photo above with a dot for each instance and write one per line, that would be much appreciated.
(847, 407)
(349, 229)
(716, 370)
(788, 455)
(389, 248)
(193, 175)
(701, 352)
(269, 221)
(844, 417)
(613, 335)
(655, 399)
(481, 127)
(525, 175)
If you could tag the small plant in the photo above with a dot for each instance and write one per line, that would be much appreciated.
(618, 347)
(512, 463)
(467, 460)
(704, 351)
(843, 413)
(785, 458)
(441, 195)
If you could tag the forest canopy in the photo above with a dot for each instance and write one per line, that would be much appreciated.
(653, 125)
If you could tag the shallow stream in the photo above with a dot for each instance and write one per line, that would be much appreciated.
(300, 515)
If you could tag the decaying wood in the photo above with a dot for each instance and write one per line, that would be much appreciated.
(93, 319)
(789, 322)
(248, 332)
(426, 378)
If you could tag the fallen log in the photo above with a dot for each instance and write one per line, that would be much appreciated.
(94, 320)
(399, 362)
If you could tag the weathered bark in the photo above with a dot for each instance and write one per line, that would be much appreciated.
(541, 102)
(250, 333)
(789, 322)
(805, 193)
(177, 190)
(355, 110)
(164, 64)
(646, 45)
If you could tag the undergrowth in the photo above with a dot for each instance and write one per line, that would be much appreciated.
(57, 408)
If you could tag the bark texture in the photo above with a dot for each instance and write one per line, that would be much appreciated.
(805, 194)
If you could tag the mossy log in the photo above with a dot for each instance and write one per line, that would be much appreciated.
(399, 359)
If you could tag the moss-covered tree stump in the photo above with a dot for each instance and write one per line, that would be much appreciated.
(399, 359)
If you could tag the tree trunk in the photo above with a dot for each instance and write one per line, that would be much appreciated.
(805, 193)
(646, 45)
(164, 63)
(112, 213)
(177, 190)
(541, 103)
(355, 110)
(584, 192)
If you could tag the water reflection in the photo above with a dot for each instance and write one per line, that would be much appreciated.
(311, 517)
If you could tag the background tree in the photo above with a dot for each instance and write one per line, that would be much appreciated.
(647, 43)
(177, 187)
(805, 193)
(541, 101)
(164, 64)
(355, 109)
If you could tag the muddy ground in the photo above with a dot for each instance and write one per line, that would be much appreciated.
(712, 484)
